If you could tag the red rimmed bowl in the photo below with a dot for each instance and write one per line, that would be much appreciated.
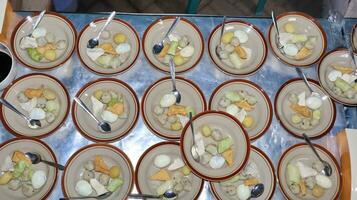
(354, 37)
(111, 155)
(192, 185)
(260, 108)
(231, 132)
(120, 127)
(328, 66)
(15, 124)
(258, 161)
(302, 24)
(191, 96)
(55, 24)
(254, 46)
(126, 59)
(284, 112)
(30, 145)
(302, 153)
(155, 33)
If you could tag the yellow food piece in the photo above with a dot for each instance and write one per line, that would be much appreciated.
(99, 165)
(228, 156)
(227, 37)
(303, 53)
(164, 50)
(241, 52)
(178, 60)
(50, 55)
(343, 69)
(289, 28)
(248, 121)
(206, 130)
(176, 109)
(176, 126)
(5, 178)
(117, 108)
(245, 105)
(251, 182)
(186, 170)
(98, 94)
(114, 172)
(161, 175)
(302, 110)
(49, 94)
(317, 191)
(44, 48)
(303, 188)
(108, 48)
(31, 93)
(119, 38)
(17, 156)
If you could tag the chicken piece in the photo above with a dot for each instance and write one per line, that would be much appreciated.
(31, 92)
(303, 53)
(108, 48)
(302, 110)
(342, 69)
(177, 109)
(244, 105)
(241, 52)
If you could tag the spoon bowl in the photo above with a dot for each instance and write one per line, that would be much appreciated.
(220, 36)
(36, 158)
(95, 41)
(175, 92)
(257, 191)
(34, 26)
(157, 48)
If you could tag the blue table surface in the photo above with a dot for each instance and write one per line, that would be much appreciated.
(67, 139)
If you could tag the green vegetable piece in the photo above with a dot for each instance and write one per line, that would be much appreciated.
(293, 174)
(98, 94)
(105, 60)
(231, 180)
(115, 184)
(112, 102)
(316, 114)
(299, 38)
(343, 85)
(233, 96)
(296, 119)
(225, 144)
(206, 131)
(173, 47)
(19, 168)
(189, 110)
(34, 54)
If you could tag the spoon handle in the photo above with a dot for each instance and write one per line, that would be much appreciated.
(172, 73)
(11, 107)
(222, 29)
(308, 141)
(177, 19)
(58, 166)
(275, 24)
(110, 18)
(39, 19)
(85, 108)
(141, 196)
(302, 75)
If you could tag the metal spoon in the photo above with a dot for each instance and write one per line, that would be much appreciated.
(103, 126)
(277, 35)
(257, 191)
(102, 196)
(197, 159)
(95, 41)
(36, 158)
(157, 48)
(173, 74)
(34, 26)
(168, 195)
(327, 167)
(303, 76)
(220, 36)
(32, 123)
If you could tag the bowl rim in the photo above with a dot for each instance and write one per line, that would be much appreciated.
(146, 152)
(184, 20)
(124, 23)
(60, 16)
(256, 87)
(321, 148)
(318, 70)
(278, 117)
(256, 29)
(32, 139)
(314, 21)
(117, 82)
(151, 87)
(6, 90)
(352, 36)
(270, 166)
(195, 171)
(98, 145)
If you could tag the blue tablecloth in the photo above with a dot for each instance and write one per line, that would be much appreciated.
(67, 139)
